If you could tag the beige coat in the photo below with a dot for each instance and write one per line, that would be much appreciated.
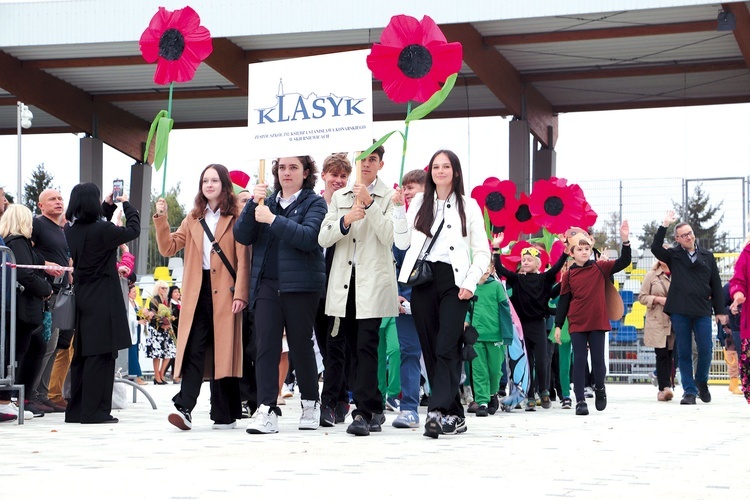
(224, 357)
(369, 243)
(658, 328)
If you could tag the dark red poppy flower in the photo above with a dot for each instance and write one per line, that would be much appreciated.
(177, 43)
(499, 198)
(413, 58)
(555, 205)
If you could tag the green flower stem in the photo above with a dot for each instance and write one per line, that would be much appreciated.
(169, 115)
(403, 149)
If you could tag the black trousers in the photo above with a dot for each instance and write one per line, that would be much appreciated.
(91, 382)
(358, 337)
(225, 393)
(248, 385)
(663, 367)
(274, 313)
(439, 317)
(582, 342)
(553, 365)
(535, 337)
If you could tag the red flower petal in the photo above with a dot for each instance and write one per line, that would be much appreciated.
(430, 32)
(402, 31)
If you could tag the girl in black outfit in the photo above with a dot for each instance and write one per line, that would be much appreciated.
(531, 294)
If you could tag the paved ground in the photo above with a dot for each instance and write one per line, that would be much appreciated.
(638, 447)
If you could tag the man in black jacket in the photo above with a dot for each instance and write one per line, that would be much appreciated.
(694, 295)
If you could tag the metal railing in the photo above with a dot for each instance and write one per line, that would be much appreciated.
(8, 327)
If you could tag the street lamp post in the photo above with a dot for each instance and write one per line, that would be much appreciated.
(24, 121)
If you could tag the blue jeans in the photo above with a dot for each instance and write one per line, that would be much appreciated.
(134, 366)
(410, 367)
(684, 326)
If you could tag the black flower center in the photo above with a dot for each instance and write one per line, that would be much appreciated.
(498, 229)
(523, 213)
(415, 61)
(495, 201)
(553, 205)
(171, 44)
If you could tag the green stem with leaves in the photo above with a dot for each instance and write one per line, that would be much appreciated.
(403, 149)
(169, 115)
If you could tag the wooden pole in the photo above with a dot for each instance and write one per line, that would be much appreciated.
(262, 178)
(358, 170)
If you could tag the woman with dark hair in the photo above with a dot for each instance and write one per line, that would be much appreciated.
(209, 337)
(459, 257)
(287, 278)
(101, 319)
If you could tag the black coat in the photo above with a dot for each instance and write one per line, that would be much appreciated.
(696, 286)
(30, 303)
(101, 316)
(301, 265)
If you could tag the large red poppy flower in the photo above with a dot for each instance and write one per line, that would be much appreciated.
(499, 199)
(555, 205)
(177, 43)
(412, 58)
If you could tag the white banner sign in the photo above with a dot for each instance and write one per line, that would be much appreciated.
(318, 104)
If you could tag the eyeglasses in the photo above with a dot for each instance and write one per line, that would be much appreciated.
(686, 235)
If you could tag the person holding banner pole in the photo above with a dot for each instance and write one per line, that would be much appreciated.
(361, 288)
(287, 277)
(209, 338)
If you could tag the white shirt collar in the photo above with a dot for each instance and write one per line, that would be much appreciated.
(286, 202)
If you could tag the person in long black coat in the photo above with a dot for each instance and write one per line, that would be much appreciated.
(101, 318)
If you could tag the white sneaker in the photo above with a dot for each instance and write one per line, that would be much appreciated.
(287, 391)
(310, 418)
(225, 427)
(12, 409)
(264, 421)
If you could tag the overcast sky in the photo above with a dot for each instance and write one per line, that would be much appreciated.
(689, 142)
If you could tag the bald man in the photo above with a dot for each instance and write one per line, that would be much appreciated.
(49, 240)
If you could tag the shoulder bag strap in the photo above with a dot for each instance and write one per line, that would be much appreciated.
(440, 228)
(217, 248)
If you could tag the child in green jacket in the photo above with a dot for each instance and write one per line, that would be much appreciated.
(491, 318)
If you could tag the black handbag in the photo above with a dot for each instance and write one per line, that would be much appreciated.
(64, 310)
(422, 271)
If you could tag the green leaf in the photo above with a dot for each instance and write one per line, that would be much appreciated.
(378, 143)
(548, 239)
(162, 141)
(151, 131)
(433, 102)
(487, 224)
